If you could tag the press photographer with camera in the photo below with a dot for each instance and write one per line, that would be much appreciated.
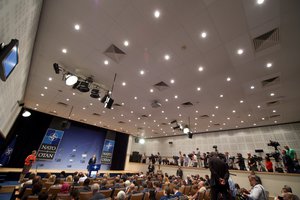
(241, 161)
(252, 162)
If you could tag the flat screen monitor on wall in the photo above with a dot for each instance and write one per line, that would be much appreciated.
(9, 58)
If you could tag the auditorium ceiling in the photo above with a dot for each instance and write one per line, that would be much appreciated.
(208, 64)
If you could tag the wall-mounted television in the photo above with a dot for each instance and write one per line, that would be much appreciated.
(9, 58)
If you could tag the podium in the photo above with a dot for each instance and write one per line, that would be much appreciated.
(93, 170)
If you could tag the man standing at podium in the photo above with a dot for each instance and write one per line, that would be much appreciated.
(92, 161)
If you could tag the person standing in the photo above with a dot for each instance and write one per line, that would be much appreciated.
(198, 158)
(219, 177)
(92, 161)
(179, 172)
(181, 158)
(27, 165)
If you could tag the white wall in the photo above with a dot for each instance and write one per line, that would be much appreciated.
(243, 141)
(18, 20)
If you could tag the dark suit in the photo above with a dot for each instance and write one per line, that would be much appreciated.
(218, 169)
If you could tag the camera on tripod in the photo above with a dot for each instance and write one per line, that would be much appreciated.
(257, 158)
(275, 155)
(273, 144)
(216, 148)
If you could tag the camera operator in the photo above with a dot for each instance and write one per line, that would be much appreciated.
(252, 162)
(198, 158)
(241, 161)
(287, 161)
(293, 155)
(181, 158)
(185, 160)
(158, 158)
(152, 159)
(205, 160)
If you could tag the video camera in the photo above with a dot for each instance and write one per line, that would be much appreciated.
(273, 144)
(175, 158)
(257, 158)
(275, 155)
(216, 148)
(191, 156)
(231, 157)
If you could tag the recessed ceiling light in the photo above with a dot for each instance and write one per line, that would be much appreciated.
(35, 108)
(151, 90)
(64, 50)
(142, 72)
(233, 111)
(166, 117)
(106, 62)
(212, 115)
(272, 94)
(203, 34)
(274, 111)
(228, 118)
(156, 13)
(149, 115)
(217, 107)
(200, 68)
(240, 51)
(175, 96)
(91, 104)
(167, 57)
(45, 87)
(37, 104)
(178, 107)
(131, 112)
(42, 95)
(260, 1)
(144, 108)
(249, 115)
(242, 121)
(172, 81)
(236, 126)
(122, 103)
(224, 124)
(154, 120)
(252, 87)
(50, 78)
(221, 95)
(241, 101)
(210, 121)
(74, 93)
(67, 99)
(135, 98)
(196, 118)
(124, 83)
(179, 115)
(166, 100)
(83, 108)
(254, 124)
(196, 111)
(258, 106)
(262, 118)
(228, 79)
(77, 27)
(126, 43)
(269, 65)
(162, 111)
(275, 122)
(198, 88)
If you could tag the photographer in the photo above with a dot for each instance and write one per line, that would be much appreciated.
(252, 162)
(287, 161)
(257, 192)
(241, 161)
(269, 164)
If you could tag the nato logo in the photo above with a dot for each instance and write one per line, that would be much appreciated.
(53, 137)
(109, 146)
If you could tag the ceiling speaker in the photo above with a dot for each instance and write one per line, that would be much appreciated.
(170, 142)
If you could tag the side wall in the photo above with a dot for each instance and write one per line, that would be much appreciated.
(234, 141)
(18, 20)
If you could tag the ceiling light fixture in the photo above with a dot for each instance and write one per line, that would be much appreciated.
(26, 113)
(126, 43)
(167, 57)
(142, 72)
(203, 34)
(71, 79)
(106, 62)
(200, 68)
(269, 65)
(260, 1)
(77, 27)
(240, 51)
(64, 51)
(228, 79)
(156, 14)
(172, 81)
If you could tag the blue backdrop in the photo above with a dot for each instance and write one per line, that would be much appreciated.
(77, 146)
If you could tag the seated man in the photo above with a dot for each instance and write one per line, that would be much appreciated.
(96, 194)
(258, 191)
(176, 191)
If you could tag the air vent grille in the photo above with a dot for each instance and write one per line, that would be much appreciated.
(217, 124)
(187, 104)
(96, 114)
(114, 53)
(62, 104)
(164, 124)
(274, 116)
(266, 40)
(161, 86)
(121, 122)
(270, 81)
(204, 116)
(144, 116)
(116, 104)
(273, 103)
(155, 104)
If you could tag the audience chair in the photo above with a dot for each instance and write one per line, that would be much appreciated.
(181, 189)
(85, 195)
(61, 196)
(106, 193)
(28, 191)
(137, 196)
(187, 189)
(54, 190)
(116, 190)
(159, 194)
(146, 196)
(48, 185)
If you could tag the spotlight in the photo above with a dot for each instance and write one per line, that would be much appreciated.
(108, 102)
(56, 68)
(142, 141)
(26, 113)
(186, 130)
(104, 98)
(71, 79)
(82, 86)
(95, 93)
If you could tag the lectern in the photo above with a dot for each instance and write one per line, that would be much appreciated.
(93, 170)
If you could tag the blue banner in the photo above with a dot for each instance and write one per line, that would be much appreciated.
(5, 157)
(107, 152)
(50, 144)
